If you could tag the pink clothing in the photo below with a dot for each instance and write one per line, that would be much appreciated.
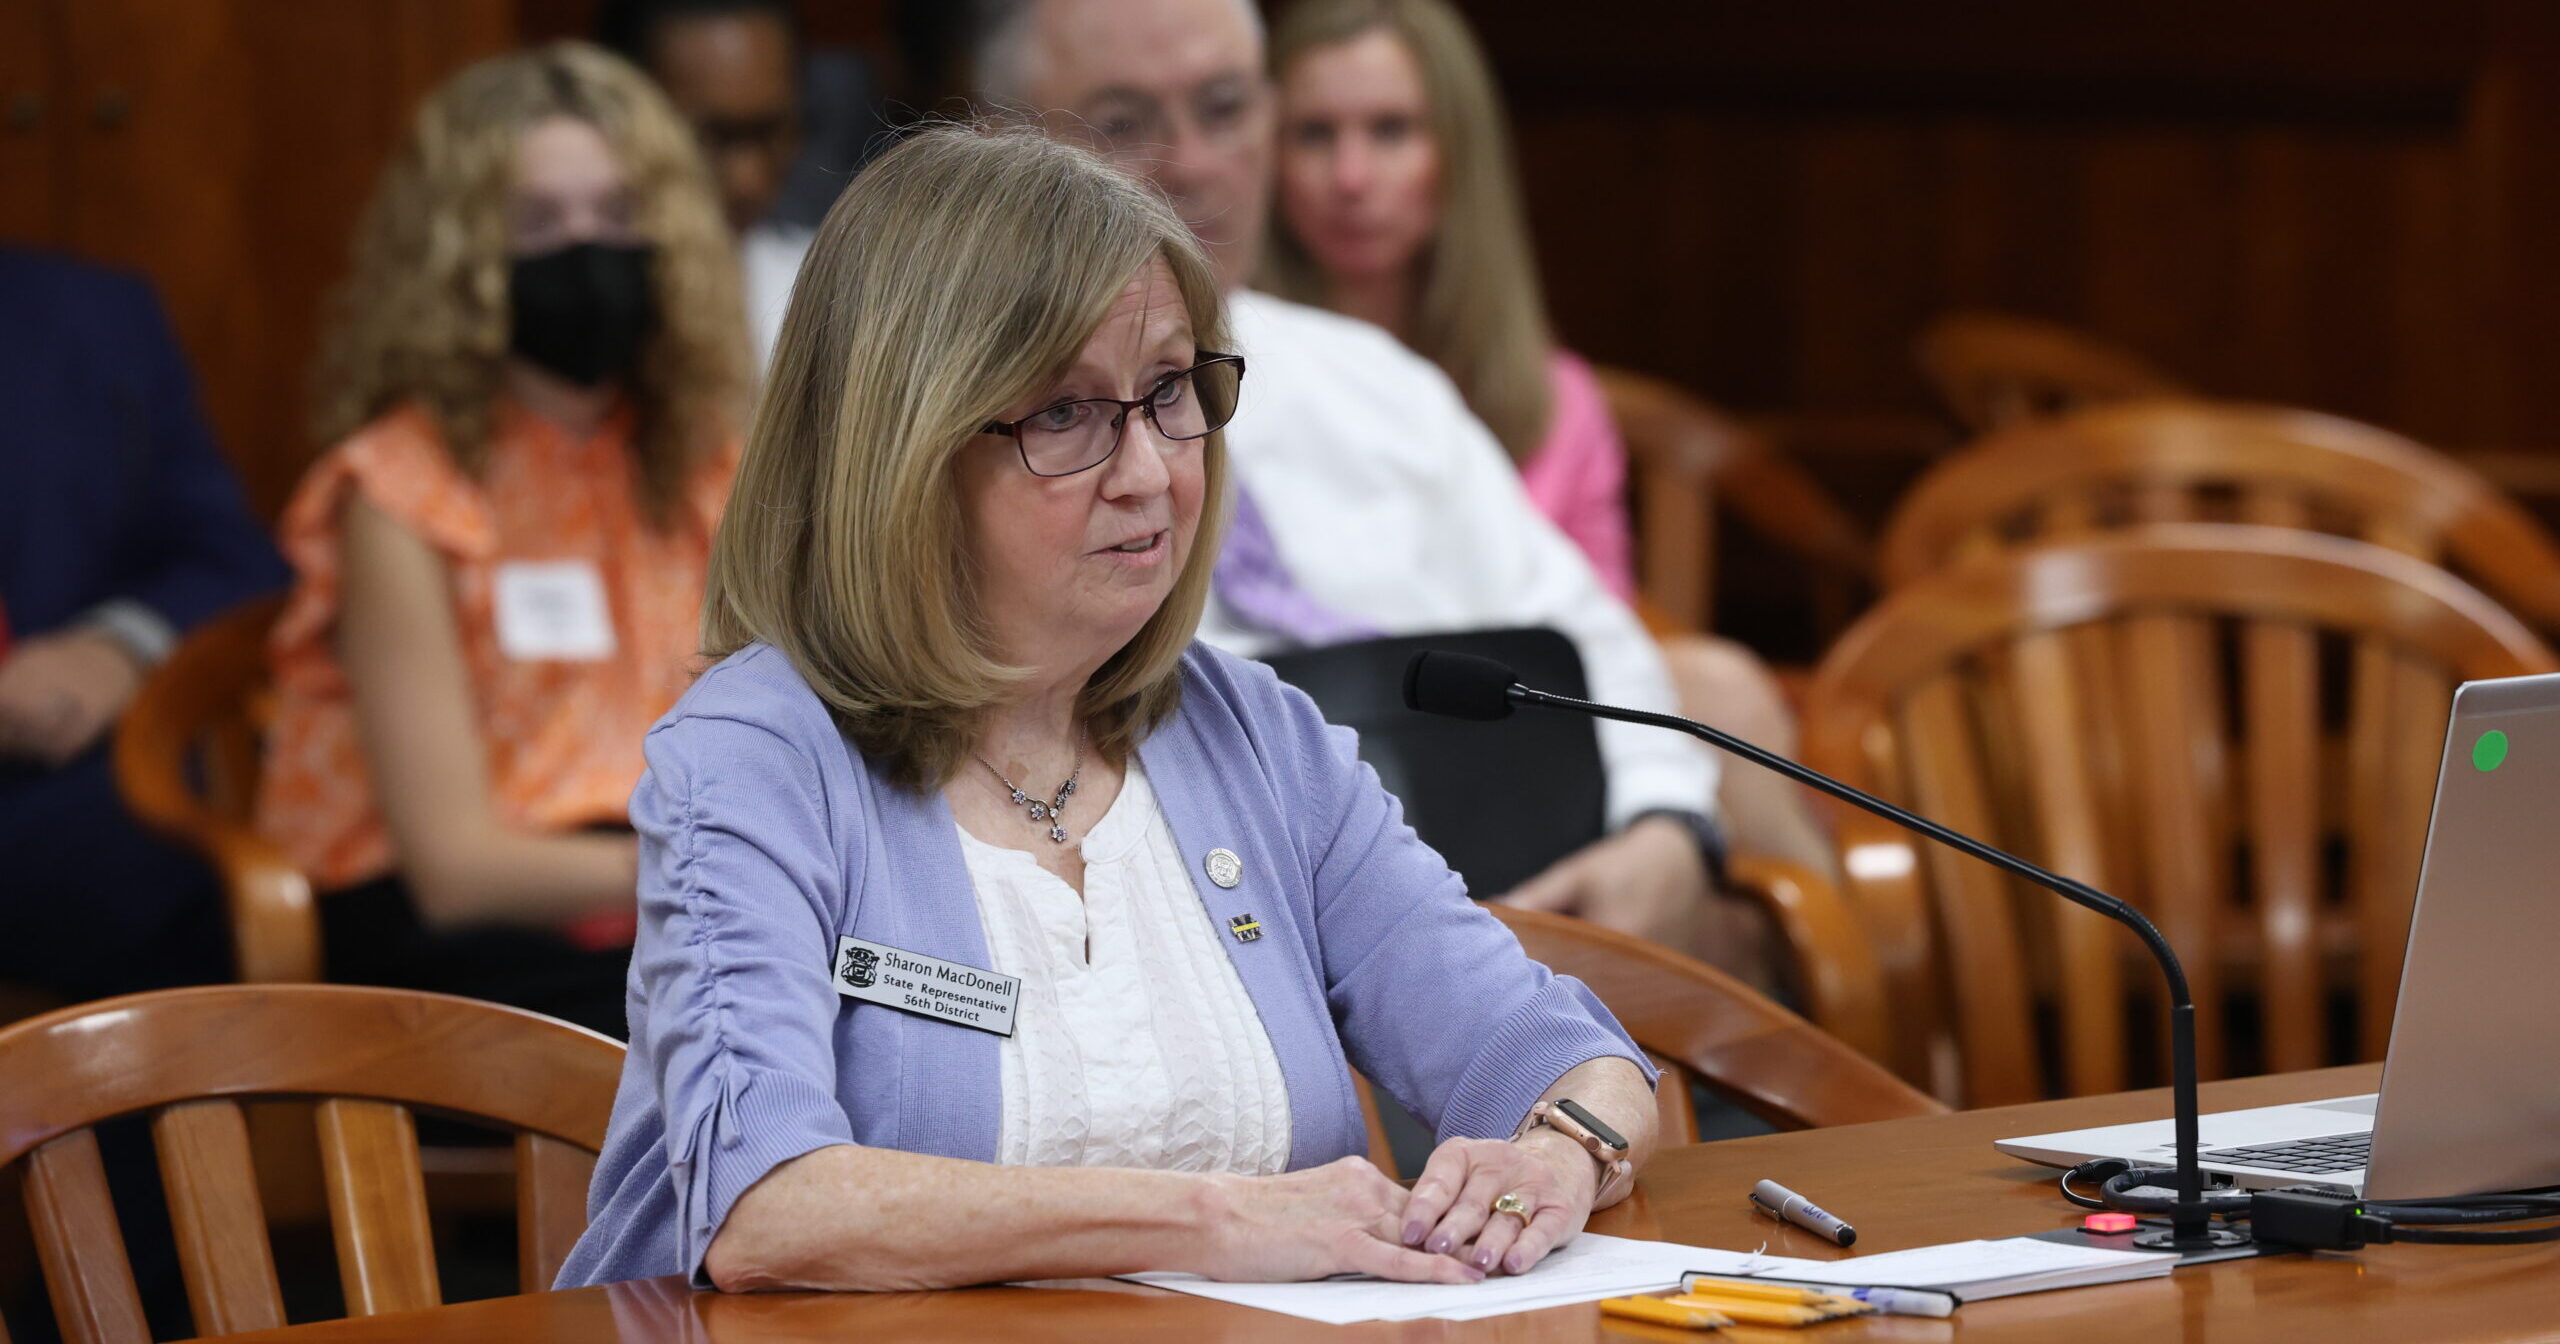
(1578, 476)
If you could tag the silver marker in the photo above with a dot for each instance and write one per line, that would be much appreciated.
(1786, 1205)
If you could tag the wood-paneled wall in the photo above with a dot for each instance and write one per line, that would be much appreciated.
(2341, 204)
(2351, 204)
(223, 148)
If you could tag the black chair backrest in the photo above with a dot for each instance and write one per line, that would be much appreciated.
(1500, 801)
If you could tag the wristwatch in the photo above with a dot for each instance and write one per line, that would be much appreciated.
(1606, 1146)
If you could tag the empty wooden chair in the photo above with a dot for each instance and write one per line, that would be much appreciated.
(2235, 728)
(1999, 369)
(187, 758)
(1684, 458)
(2174, 460)
(188, 1057)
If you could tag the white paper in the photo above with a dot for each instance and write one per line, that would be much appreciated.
(1970, 1269)
(1980, 1269)
(1593, 1267)
(1589, 1268)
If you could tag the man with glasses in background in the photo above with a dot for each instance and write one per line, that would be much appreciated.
(1370, 500)
(782, 128)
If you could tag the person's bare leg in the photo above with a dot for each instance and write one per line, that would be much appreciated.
(1724, 685)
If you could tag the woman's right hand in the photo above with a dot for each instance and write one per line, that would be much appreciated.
(1342, 1217)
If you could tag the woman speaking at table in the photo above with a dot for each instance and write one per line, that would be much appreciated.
(991, 929)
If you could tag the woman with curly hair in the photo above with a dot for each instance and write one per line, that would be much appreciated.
(532, 387)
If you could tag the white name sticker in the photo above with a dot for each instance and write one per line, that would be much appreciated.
(946, 990)
(551, 611)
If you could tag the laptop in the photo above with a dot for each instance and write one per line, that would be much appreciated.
(2470, 1099)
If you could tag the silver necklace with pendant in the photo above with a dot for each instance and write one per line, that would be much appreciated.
(1044, 811)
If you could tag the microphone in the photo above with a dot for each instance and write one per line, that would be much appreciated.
(1464, 686)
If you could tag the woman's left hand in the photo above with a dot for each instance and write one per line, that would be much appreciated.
(1451, 1211)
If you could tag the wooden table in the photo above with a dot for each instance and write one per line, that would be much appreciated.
(1902, 1184)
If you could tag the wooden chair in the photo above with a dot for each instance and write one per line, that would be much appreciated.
(1699, 1022)
(1683, 458)
(2175, 459)
(187, 757)
(1998, 369)
(2235, 728)
(1696, 1022)
(188, 1057)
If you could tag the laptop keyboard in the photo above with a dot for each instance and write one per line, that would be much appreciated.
(2311, 1157)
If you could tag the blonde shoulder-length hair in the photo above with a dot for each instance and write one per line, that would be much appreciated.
(1478, 313)
(423, 316)
(963, 271)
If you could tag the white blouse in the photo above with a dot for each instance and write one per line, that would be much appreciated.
(1134, 1043)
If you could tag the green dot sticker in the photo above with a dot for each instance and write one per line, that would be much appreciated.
(2490, 751)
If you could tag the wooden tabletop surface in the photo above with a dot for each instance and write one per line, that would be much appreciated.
(1901, 1184)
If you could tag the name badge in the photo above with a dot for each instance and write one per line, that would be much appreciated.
(551, 611)
(944, 990)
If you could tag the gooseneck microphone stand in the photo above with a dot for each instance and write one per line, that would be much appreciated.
(1468, 687)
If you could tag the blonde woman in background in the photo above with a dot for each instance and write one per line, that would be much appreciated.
(532, 387)
(1398, 204)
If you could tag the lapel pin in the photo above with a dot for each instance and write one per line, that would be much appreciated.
(1224, 867)
(1244, 927)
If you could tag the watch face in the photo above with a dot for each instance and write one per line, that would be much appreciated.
(1593, 1123)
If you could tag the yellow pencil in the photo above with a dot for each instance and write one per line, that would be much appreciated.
(1756, 1311)
(1766, 1292)
(1655, 1311)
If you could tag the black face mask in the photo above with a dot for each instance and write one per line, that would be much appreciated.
(584, 311)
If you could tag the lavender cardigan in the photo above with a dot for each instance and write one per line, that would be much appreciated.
(764, 836)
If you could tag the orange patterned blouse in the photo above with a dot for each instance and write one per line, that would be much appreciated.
(579, 626)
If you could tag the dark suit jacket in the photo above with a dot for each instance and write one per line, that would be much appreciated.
(109, 488)
(110, 485)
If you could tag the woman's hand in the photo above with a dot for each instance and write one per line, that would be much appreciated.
(1337, 1218)
(1451, 1209)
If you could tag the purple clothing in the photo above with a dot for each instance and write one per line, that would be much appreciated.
(1262, 595)
(1578, 476)
(764, 836)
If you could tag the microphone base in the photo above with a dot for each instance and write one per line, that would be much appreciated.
(2211, 1239)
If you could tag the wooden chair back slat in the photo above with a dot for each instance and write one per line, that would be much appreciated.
(2148, 754)
(377, 1206)
(551, 1204)
(366, 1056)
(214, 1211)
(2055, 705)
(2282, 725)
(1975, 915)
(80, 1245)
(2173, 694)
(1893, 904)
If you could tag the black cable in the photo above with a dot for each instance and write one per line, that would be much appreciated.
(2321, 1218)
(2519, 1236)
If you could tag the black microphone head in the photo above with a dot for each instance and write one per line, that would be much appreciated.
(1459, 685)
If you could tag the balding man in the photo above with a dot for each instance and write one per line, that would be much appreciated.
(1371, 500)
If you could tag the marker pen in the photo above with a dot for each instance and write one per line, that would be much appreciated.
(1786, 1205)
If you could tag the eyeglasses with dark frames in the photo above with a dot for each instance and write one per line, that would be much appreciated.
(1074, 436)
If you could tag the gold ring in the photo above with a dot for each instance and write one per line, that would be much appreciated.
(1514, 1205)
